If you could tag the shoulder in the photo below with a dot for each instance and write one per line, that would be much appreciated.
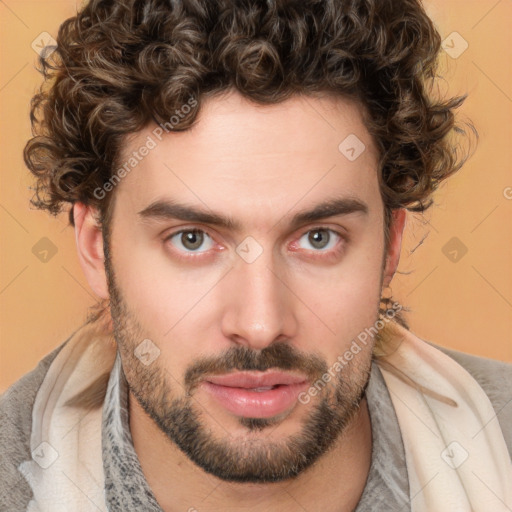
(16, 405)
(495, 378)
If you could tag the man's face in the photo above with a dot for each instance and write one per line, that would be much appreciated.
(264, 297)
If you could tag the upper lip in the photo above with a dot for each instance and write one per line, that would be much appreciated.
(251, 380)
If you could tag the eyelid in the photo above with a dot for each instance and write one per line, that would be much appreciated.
(325, 253)
(186, 229)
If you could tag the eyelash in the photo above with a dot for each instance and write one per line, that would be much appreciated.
(325, 254)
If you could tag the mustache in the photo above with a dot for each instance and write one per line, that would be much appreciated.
(277, 356)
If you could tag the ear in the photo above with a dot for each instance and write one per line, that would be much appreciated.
(89, 243)
(395, 244)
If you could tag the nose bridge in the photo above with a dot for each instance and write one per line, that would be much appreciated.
(259, 310)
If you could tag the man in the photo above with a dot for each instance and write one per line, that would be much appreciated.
(239, 175)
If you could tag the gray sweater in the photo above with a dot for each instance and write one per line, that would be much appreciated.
(126, 489)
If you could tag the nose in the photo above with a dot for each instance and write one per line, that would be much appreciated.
(261, 306)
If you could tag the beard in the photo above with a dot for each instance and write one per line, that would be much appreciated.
(255, 457)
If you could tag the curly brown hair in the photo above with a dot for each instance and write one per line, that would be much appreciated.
(122, 64)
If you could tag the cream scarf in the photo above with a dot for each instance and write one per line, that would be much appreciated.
(456, 456)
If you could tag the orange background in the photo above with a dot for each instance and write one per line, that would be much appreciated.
(466, 305)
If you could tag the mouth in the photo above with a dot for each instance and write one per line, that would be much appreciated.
(256, 394)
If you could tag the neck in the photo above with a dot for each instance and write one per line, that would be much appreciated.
(333, 484)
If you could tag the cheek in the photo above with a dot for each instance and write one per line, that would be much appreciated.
(158, 291)
(347, 298)
(359, 298)
(346, 307)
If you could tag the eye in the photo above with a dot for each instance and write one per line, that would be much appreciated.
(189, 240)
(321, 239)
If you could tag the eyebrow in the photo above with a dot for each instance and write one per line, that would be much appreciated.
(167, 209)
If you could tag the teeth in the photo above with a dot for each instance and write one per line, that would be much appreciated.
(262, 389)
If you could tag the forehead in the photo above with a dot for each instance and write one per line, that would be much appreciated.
(254, 157)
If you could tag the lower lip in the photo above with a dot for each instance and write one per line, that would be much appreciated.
(256, 404)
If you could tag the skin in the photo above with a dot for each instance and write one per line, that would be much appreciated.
(260, 165)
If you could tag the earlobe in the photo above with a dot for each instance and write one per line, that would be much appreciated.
(89, 243)
(395, 244)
